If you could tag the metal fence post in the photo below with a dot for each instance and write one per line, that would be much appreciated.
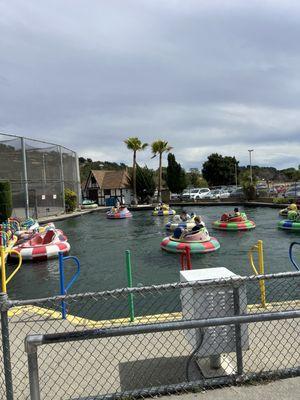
(78, 179)
(6, 346)
(25, 177)
(31, 344)
(238, 331)
(62, 177)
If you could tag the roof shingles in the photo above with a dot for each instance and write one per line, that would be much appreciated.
(106, 179)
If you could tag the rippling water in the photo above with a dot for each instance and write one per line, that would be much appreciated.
(100, 245)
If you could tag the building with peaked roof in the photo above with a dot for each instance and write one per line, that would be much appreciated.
(104, 186)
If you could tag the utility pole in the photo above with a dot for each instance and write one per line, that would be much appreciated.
(236, 175)
(251, 177)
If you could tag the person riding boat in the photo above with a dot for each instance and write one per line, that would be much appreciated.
(198, 226)
(184, 216)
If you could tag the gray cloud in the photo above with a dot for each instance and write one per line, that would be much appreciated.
(220, 76)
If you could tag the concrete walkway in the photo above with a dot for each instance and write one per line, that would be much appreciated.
(79, 213)
(284, 389)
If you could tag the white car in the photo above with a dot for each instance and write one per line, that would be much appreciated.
(197, 194)
(224, 194)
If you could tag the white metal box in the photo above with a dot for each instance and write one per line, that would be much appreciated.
(212, 302)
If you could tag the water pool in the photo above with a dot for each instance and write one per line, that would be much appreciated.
(100, 245)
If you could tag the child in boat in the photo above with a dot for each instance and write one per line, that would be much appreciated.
(184, 216)
(235, 214)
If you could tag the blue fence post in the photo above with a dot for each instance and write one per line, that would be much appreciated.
(63, 287)
(62, 283)
(291, 255)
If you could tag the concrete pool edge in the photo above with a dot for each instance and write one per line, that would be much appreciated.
(150, 207)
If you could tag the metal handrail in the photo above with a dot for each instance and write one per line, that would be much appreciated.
(64, 289)
(3, 255)
(261, 268)
(291, 255)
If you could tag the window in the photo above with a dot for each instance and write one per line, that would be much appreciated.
(106, 192)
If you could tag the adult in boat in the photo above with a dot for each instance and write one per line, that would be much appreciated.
(180, 233)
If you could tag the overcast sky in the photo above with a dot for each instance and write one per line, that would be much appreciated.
(206, 76)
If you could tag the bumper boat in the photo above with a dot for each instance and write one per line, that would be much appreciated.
(292, 207)
(178, 223)
(87, 204)
(289, 225)
(120, 213)
(199, 242)
(43, 246)
(292, 223)
(163, 211)
(239, 223)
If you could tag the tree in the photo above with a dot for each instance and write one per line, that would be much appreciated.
(194, 179)
(219, 170)
(5, 200)
(81, 160)
(292, 174)
(158, 148)
(70, 200)
(176, 176)
(145, 182)
(134, 144)
(249, 187)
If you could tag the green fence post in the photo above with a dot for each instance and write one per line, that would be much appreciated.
(129, 279)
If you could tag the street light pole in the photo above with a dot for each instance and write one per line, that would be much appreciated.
(251, 177)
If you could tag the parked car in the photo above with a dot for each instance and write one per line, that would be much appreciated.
(197, 194)
(186, 194)
(224, 194)
(212, 194)
(292, 192)
(175, 196)
(237, 193)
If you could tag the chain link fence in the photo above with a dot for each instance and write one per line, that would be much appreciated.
(176, 337)
(39, 173)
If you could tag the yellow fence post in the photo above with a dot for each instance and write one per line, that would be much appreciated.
(261, 269)
(261, 266)
(3, 269)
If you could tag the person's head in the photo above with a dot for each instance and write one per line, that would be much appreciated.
(293, 207)
(183, 212)
(236, 210)
(197, 219)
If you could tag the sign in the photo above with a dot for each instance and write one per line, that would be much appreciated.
(43, 197)
(54, 196)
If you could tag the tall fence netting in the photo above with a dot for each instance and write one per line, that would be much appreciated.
(50, 169)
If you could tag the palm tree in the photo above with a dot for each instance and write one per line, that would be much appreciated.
(134, 144)
(159, 147)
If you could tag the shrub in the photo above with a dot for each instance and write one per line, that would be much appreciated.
(281, 200)
(70, 200)
(5, 201)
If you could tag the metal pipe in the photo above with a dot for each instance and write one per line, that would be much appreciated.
(232, 281)
(23, 146)
(33, 371)
(238, 332)
(62, 282)
(78, 179)
(261, 266)
(161, 327)
(62, 177)
(6, 346)
(129, 280)
(251, 177)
